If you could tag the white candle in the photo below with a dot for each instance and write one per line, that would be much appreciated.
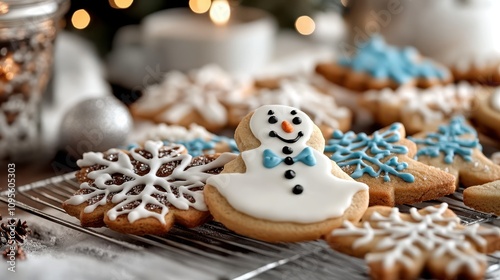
(179, 39)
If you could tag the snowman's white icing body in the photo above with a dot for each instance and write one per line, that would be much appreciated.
(286, 190)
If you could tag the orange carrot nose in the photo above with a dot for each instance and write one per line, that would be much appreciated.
(287, 127)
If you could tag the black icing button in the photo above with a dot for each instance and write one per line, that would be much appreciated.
(289, 174)
(287, 150)
(298, 189)
(289, 160)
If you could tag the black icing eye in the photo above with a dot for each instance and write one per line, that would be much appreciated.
(272, 119)
(270, 112)
(293, 112)
(297, 120)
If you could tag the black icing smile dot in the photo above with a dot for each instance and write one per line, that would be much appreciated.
(289, 160)
(289, 174)
(298, 189)
(272, 120)
(297, 120)
(287, 150)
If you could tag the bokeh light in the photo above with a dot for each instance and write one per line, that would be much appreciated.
(200, 6)
(80, 19)
(305, 25)
(120, 4)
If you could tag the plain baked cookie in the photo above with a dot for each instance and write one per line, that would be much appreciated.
(282, 188)
(144, 190)
(454, 147)
(486, 113)
(485, 198)
(377, 65)
(384, 161)
(405, 246)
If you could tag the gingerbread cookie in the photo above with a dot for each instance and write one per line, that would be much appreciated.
(196, 139)
(486, 113)
(384, 161)
(377, 65)
(405, 246)
(281, 188)
(144, 190)
(485, 198)
(419, 109)
(454, 148)
(196, 97)
(296, 92)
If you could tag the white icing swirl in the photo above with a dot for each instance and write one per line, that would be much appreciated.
(299, 93)
(202, 91)
(433, 104)
(431, 234)
(181, 189)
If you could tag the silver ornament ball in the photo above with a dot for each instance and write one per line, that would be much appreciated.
(96, 125)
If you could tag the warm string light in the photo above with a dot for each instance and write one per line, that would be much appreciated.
(80, 19)
(220, 12)
(4, 8)
(120, 4)
(305, 25)
(200, 6)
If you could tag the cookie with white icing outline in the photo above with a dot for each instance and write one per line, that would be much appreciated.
(144, 190)
(405, 246)
(282, 188)
(295, 91)
(486, 113)
(420, 109)
(384, 161)
(198, 96)
(377, 65)
(454, 147)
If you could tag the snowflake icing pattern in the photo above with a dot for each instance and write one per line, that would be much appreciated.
(150, 179)
(404, 241)
(448, 140)
(350, 149)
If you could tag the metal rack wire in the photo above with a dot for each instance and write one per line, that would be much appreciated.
(222, 254)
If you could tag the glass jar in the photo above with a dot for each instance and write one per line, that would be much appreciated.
(28, 29)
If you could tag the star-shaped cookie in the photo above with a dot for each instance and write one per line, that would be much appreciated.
(403, 246)
(455, 148)
(384, 161)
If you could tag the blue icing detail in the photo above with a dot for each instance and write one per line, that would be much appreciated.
(447, 140)
(383, 61)
(350, 149)
(195, 147)
(229, 141)
(198, 146)
(271, 159)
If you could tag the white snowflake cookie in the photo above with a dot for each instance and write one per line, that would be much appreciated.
(144, 190)
(403, 246)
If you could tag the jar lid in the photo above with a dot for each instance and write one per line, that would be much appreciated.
(15, 10)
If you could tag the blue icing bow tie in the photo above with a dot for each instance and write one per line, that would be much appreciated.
(272, 160)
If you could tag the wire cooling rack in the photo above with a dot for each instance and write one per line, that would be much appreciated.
(223, 254)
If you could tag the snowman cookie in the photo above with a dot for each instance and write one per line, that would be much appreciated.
(282, 188)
